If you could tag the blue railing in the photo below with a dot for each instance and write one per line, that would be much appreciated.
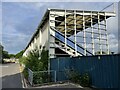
(70, 43)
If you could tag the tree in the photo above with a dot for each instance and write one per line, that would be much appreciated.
(1, 50)
(11, 56)
(19, 55)
(34, 62)
(5, 54)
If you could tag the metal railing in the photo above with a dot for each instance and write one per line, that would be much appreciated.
(41, 77)
(45, 77)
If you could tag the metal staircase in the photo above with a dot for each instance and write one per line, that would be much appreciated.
(70, 47)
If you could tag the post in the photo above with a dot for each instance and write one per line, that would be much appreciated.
(65, 33)
(49, 43)
(84, 37)
(55, 76)
(93, 48)
(100, 45)
(107, 44)
(75, 33)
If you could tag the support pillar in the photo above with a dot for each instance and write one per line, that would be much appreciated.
(100, 45)
(65, 33)
(75, 33)
(84, 36)
(107, 44)
(93, 47)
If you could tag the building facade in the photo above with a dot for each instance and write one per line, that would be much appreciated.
(71, 33)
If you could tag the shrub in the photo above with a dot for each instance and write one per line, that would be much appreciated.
(85, 80)
(25, 73)
(22, 60)
(75, 77)
(36, 63)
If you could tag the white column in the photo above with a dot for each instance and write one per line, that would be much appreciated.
(51, 39)
(93, 47)
(75, 33)
(65, 33)
(107, 44)
(100, 45)
(84, 36)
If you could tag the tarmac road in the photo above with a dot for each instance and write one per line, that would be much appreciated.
(11, 77)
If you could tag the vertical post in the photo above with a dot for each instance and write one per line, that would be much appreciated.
(55, 76)
(40, 41)
(84, 36)
(100, 45)
(65, 33)
(75, 32)
(93, 48)
(51, 39)
(49, 43)
(106, 36)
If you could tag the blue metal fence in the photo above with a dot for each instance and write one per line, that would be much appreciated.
(103, 70)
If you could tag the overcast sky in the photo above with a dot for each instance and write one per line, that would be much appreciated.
(20, 20)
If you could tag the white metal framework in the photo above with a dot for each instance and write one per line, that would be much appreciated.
(72, 33)
(72, 23)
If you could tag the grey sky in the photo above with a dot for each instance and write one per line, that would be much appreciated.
(20, 20)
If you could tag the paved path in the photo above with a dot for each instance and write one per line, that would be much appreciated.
(11, 77)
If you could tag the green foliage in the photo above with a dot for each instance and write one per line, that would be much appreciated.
(22, 60)
(41, 77)
(44, 59)
(75, 77)
(11, 56)
(25, 73)
(19, 55)
(36, 64)
(85, 80)
(5, 54)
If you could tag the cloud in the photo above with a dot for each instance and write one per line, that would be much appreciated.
(20, 20)
(113, 43)
(60, 1)
(13, 40)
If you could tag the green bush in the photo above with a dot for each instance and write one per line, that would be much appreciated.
(22, 60)
(25, 73)
(36, 63)
(40, 77)
(76, 77)
(85, 80)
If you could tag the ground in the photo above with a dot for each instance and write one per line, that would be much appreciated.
(11, 77)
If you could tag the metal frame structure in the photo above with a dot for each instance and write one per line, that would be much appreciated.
(73, 22)
(72, 33)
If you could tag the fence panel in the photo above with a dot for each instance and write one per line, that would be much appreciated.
(102, 69)
(41, 77)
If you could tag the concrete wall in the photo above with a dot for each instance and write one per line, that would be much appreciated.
(39, 40)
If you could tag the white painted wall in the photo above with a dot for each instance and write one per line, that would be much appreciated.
(40, 40)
